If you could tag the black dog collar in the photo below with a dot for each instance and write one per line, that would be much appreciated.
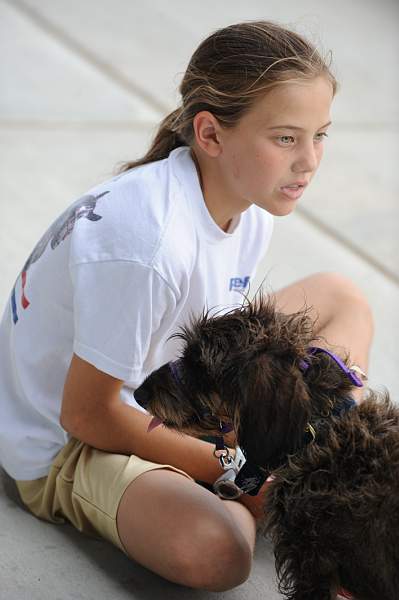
(251, 477)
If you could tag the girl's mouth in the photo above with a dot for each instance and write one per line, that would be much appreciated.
(293, 192)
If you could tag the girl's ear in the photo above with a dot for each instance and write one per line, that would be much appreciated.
(275, 407)
(207, 133)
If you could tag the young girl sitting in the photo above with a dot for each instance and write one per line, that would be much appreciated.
(125, 266)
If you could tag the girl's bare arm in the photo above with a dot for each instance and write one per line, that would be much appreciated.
(93, 412)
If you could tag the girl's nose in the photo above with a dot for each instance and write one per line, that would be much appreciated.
(307, 160)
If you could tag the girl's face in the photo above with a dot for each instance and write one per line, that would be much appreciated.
(271, 155)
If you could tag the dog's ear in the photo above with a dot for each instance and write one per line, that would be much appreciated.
(273, 407)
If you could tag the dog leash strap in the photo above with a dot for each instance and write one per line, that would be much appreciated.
(219, 443)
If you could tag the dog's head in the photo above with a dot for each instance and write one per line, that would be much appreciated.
(246, 367)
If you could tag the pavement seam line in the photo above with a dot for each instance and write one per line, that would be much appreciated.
(61, 36)
(89, 57)
(20, 124)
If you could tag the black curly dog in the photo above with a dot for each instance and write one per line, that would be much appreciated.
(332, 509)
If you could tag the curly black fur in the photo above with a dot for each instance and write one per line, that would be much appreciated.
(333, 507)
(333, 510)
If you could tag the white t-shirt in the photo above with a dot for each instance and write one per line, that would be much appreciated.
(117, 273)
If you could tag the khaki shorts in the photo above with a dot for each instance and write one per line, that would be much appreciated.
(85, 486)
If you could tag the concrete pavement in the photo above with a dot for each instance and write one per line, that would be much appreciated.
(84, 85)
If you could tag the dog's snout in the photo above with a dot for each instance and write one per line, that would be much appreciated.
(142, 396)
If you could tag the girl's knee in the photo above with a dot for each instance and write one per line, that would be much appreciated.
(185, 533)
(335, 298)
(349, 294)
(343, 292)
(216, 558)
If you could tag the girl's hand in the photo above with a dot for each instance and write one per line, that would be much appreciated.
(255, 503)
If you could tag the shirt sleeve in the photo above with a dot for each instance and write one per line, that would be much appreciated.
(118, 306)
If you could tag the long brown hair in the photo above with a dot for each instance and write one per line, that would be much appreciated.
(228, 72)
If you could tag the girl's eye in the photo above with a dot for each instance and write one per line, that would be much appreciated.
(286, 140)
(319, 136)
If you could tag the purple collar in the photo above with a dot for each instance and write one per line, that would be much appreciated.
(350, 373)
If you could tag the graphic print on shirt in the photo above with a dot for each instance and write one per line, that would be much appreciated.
(57, 233)
(239, 283)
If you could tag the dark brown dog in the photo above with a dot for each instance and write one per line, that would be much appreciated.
(332, 510)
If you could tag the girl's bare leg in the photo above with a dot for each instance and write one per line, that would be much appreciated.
(186, 534)
(344, 317)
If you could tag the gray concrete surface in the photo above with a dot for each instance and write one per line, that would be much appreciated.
(83, 87)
